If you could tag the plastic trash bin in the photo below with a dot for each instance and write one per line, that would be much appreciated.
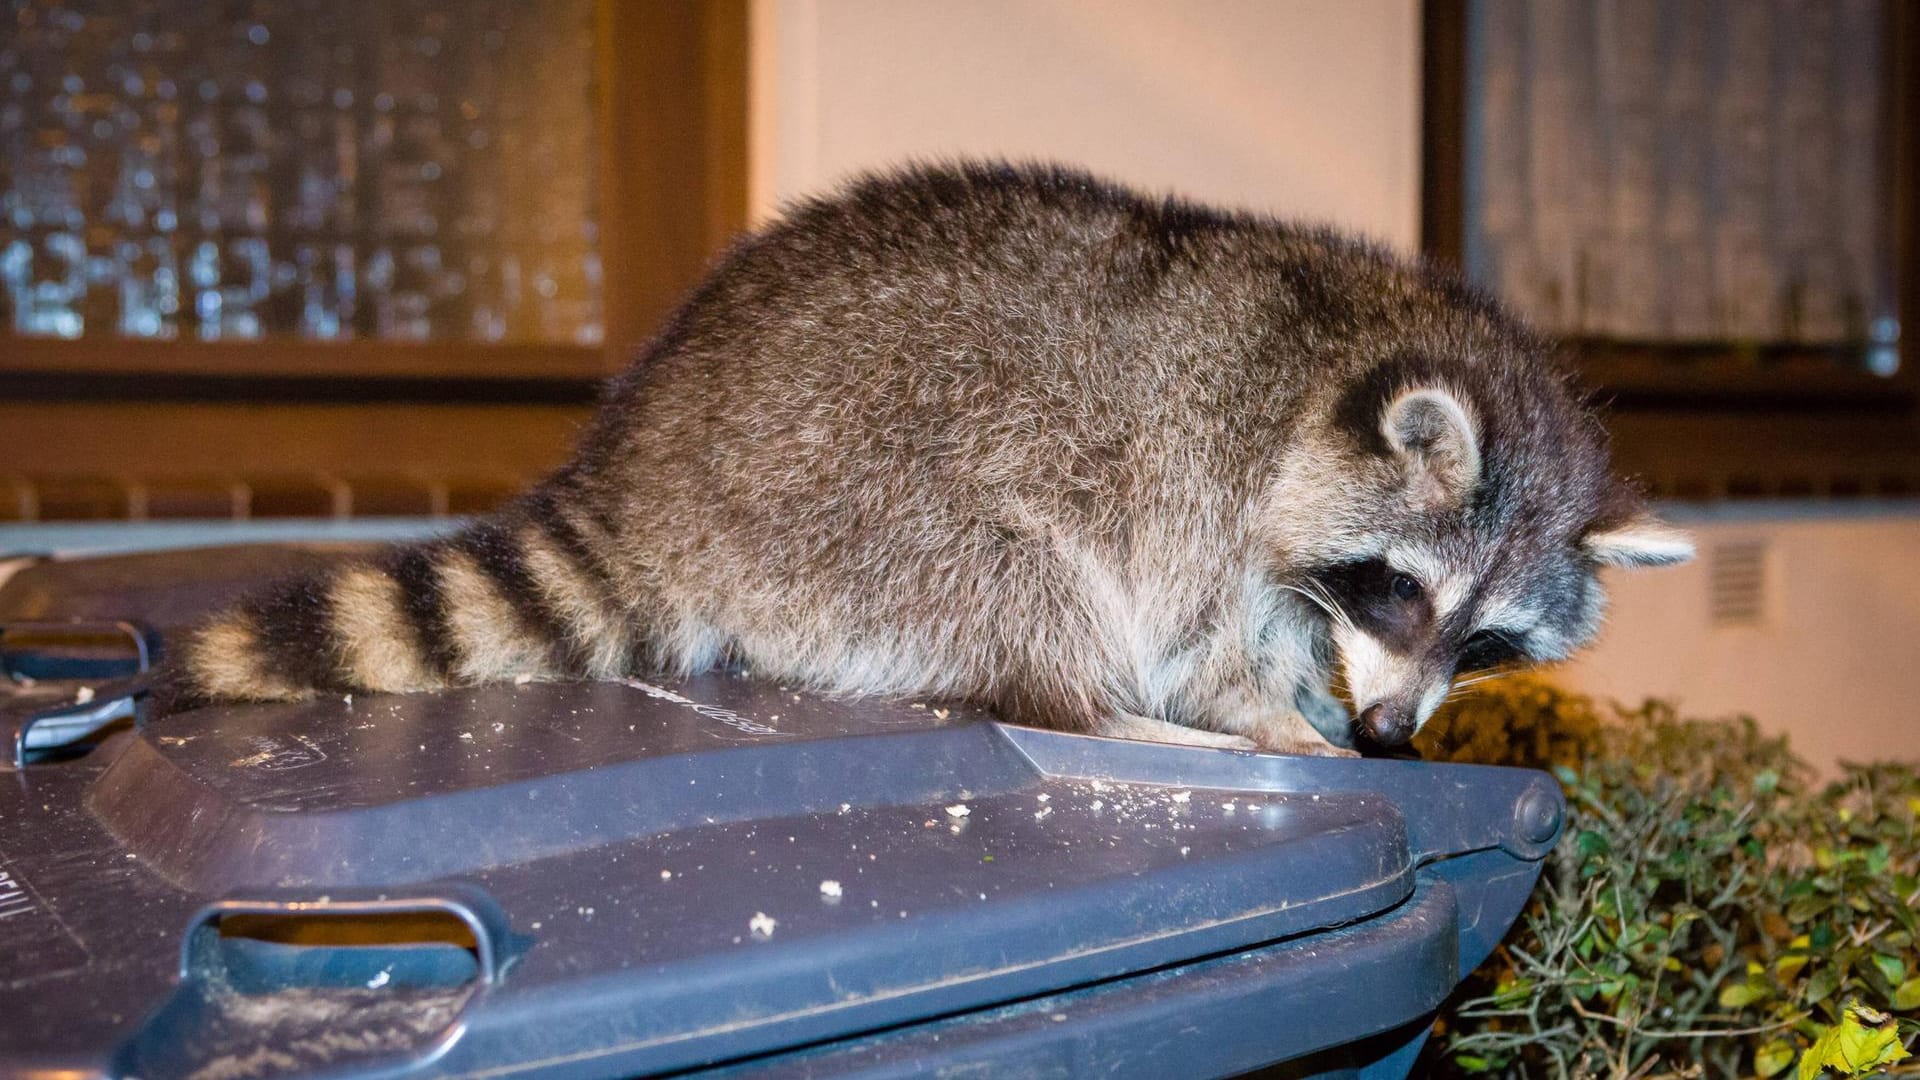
(718, 877)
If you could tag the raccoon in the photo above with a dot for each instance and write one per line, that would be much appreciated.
(1014, 436)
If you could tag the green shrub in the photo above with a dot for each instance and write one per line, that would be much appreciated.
(1711, 911)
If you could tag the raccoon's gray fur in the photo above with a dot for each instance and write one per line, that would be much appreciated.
(1014, 436)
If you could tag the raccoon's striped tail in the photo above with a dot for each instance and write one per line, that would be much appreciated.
(525, 593)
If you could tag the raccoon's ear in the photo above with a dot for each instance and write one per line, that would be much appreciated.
(1640, 540)
(1434, 434)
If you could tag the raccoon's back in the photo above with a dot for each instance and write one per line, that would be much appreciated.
(965, 333)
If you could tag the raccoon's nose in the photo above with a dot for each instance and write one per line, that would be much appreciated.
(1385, 725)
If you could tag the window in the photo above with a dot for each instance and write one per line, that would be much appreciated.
(407, 172)
(1711, 205)
(375, 253)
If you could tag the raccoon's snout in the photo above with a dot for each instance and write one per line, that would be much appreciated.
(1389, 725)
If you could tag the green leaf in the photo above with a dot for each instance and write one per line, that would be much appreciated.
(1863, 1040)
(1823, 983)
(1892, 967)
(1512, 992)
(1811, 1062)
(1740, 995)
(1472, 1062)
(1772, 1058)
(1807, 907)
(1877, 859)
(1907, 996)
(1789, 966)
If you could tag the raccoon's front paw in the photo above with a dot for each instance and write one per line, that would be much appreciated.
(1147, 729)
(1311, 748)
(1292, 734)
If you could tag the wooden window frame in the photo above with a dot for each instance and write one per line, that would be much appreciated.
(1721, 420)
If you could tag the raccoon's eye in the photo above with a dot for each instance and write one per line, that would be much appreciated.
(1404, 587)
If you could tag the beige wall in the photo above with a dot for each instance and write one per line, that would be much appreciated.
(1835, 660)
(1303, 107)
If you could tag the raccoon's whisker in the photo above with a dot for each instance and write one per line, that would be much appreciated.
(1326, 598)
(1323, 602)
(1486, 676)
(1317, 602)
(1463, 690)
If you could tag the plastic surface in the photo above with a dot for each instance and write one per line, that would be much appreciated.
(619, 879)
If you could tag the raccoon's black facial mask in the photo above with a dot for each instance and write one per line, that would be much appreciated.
(1381, 601)
(1398, 611)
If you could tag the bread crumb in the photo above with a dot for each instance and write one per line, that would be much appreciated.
(762, 925)
(959, 810)
(830, 890)
(666, 875)
(1182, 796)
(522, 679)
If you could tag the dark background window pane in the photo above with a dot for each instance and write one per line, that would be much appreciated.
(1684, 172)
(420, 170)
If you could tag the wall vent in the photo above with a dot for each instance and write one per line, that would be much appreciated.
(1737, 583)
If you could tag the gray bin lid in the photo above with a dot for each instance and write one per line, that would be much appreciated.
(661, 877)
